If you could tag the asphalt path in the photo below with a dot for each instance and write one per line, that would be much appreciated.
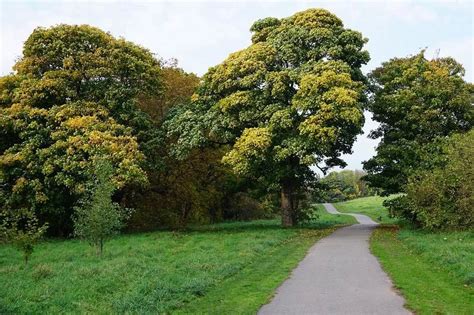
(339, 275)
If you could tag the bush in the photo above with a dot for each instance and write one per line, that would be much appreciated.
(42, 271)
(243, 207)
(21, 228)
(442, 197)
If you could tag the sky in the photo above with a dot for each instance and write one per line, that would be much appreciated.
(201, 34)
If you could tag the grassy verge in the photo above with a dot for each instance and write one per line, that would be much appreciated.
(223, 268)
(245, 292)
(433, 271)
(370, 206)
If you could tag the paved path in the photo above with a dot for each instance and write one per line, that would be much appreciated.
(338, 276)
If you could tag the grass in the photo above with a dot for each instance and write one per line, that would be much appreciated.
(332, 219)
(433, 270)
(370, 206)
(222, 269)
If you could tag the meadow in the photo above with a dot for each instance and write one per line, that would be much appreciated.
(161, 272)
(370, 206)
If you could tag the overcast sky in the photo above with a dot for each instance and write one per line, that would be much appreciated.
(201, 34)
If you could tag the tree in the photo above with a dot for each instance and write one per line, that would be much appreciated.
(181, 190)
(98, 218)
(178, 86)
(21, 228)
(73, 99)
(290, 100)
(416, 101)
(343, 185)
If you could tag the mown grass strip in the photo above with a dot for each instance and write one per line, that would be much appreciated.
(428, 288)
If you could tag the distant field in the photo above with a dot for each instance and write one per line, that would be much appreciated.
(160, 272)
(370, 206)
(332, 219)
(433, 270)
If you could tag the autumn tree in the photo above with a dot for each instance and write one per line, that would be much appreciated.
(290, 100)
(416, 101)
(71, 100)
(180, 190)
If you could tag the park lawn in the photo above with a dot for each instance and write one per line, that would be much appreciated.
(433, 271)
(223, 269)
(370, 206)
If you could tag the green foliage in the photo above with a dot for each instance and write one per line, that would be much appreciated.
(243, 207)
(416, 101)
(21, 228)
(181, 191)
(443, 197)
(98, 218)
(290, 100)
(73, 100)
(341, 186)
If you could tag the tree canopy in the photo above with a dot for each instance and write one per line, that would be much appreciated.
(72, 100)
(341, 186)
(290, 100)
(416, 101)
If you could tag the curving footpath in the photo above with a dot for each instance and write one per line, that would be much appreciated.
(339, 275)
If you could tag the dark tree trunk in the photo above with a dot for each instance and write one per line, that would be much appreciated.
(287, 204)
(100, 248)
(185, 211)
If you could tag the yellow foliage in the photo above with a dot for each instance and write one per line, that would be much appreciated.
(252, 144)
(20, 184)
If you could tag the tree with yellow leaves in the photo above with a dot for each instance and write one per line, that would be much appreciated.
(71, 101)
(291, 100)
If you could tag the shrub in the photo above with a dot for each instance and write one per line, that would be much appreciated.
(21, 228)
(442, 197)
(42, 271)
(243, 207)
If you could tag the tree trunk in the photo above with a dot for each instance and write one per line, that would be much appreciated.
(100, 248)
(185, 211)
(287, 204)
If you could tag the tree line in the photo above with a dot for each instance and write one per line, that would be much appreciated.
(92, 125)
(341, 186)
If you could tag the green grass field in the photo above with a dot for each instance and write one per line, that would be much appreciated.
(433, 270)
(220, 269)
(370, 206)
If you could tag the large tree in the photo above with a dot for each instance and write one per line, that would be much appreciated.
(291, 100)
(416, 101)
(73, 100)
